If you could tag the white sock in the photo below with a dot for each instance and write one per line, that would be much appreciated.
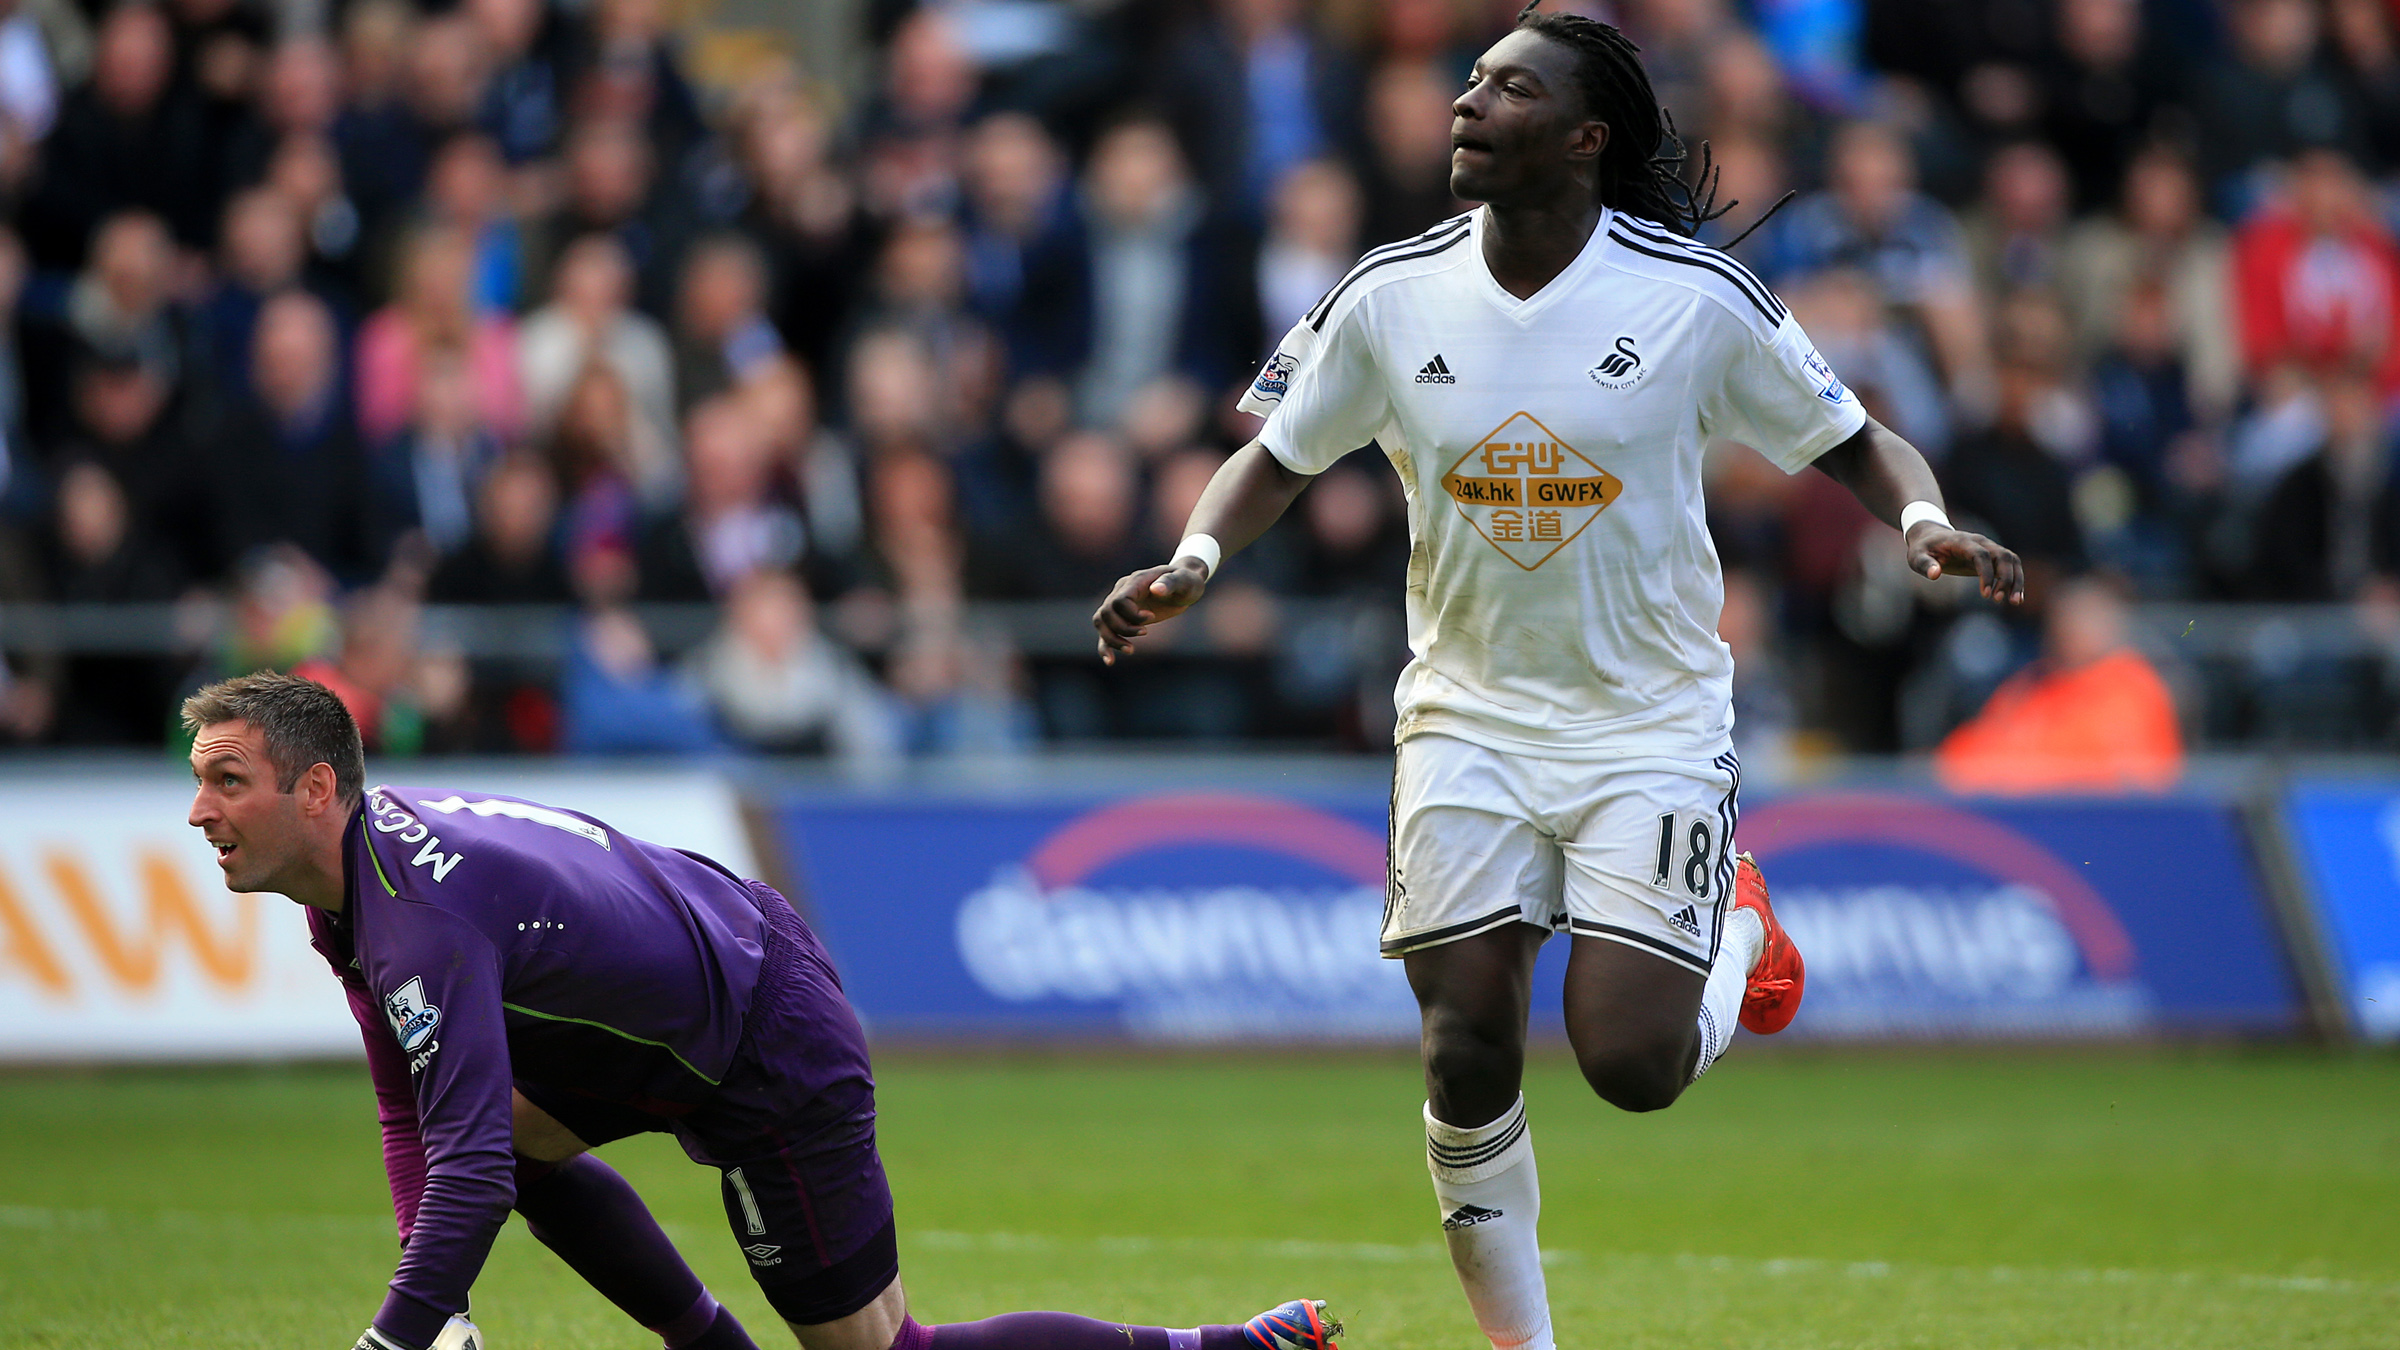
(1728, 980)
(1491, 1199)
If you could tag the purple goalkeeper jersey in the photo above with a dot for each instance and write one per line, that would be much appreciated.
(487, 941)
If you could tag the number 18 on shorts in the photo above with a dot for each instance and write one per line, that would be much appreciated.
(1632, 851)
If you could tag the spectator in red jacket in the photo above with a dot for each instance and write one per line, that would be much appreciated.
(2317, 276)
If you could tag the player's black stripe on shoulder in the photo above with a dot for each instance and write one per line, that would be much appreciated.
(1317, 322)
(1743, 276)
(1688, 260)
(1651, 229)
(1374, 255)
(1757, 290)
(1451, 231)
(1766, 307)
(1396, 245)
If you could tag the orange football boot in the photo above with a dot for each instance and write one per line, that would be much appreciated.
(1779, 976)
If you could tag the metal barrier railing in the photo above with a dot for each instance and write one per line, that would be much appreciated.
(1036, 628)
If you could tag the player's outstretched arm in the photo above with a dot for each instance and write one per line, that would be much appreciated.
(1250, 492)
(395, 1107)
(1886, 473)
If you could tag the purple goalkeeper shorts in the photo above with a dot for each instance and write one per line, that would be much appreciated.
(791, 1128)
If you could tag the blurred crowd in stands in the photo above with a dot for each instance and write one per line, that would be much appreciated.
(320, 317)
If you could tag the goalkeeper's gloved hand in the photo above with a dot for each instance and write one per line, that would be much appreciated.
(460, 1333)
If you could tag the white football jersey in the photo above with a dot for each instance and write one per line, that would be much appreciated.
(1563, 594)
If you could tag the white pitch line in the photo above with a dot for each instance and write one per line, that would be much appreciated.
(43, 1218)
(1433, 1254)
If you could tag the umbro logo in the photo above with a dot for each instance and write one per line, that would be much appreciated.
(1436, 371)
(763, 1253)
(1686, 920)
(1467, 1216)
(1620, 368)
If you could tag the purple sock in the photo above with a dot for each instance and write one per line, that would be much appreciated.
(582, 1210)
(1061, 1331)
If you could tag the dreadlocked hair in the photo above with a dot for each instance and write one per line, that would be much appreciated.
(1641, 167)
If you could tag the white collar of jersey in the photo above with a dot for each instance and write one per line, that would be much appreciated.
(1531, 307)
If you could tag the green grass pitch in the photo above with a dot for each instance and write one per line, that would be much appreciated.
(2159, 1199)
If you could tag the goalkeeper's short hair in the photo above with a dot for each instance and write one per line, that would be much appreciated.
(304, 724)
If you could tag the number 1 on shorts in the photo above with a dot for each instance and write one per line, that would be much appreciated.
(1697, 859)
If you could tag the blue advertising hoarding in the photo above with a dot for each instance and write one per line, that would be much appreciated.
(2348, 837)
(1229, 916)
(1930, 916)
(1183, 916)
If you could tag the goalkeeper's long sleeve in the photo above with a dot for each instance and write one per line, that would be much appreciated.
(437, 1047)
(395, 1108)
(460, 1071)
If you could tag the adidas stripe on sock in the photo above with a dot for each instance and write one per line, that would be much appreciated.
(1491, 1206)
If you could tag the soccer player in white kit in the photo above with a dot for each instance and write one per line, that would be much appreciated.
(1545, 373)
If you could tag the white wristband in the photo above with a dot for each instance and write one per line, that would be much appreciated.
(1205, 548)
(1915, 513)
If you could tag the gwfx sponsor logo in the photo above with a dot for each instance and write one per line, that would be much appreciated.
(1528, 492)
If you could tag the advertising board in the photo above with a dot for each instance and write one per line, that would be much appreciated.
(1227, 915)
(119, 941)
(2347, 836)
(1180, 916)
(2073, 917)
(1222, 915)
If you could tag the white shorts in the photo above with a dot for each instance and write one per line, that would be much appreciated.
(1636, 852)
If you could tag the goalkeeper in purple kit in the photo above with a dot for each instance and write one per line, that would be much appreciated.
(533, 984)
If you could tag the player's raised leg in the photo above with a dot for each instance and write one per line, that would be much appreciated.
(1671, 928)
(1645, 1026)
(1473, 994)
(1633, 1018)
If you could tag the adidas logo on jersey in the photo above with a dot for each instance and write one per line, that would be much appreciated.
(1467, 1216)
(1686, 920)
(1621, 368)
(1436, 371)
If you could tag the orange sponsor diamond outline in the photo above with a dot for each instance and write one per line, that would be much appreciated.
(1611, 488)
